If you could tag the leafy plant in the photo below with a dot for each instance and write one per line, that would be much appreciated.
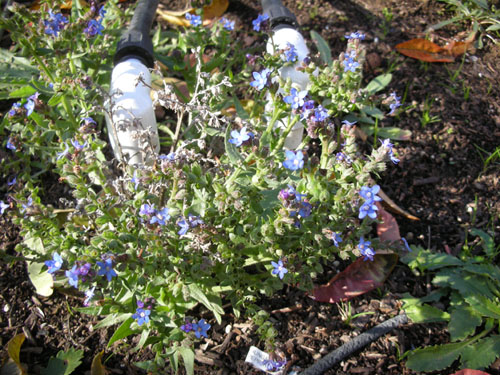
(471, 289)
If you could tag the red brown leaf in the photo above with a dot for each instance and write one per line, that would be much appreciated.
(424, 50)
(470, 372)
(358, 278)
(388, 229)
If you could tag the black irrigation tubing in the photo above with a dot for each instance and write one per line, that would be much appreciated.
(355, 344)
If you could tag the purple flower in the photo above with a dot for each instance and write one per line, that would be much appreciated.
(10, 145)
(365, 249)
(294, 160)
(296, 98)
(77, 145)
(147, 209)
(227, 24)
(279, 269)
(188, 327)
(388, 145)
(55, 264)
(170, 157)
(240, 137)
(260, 79)
(55, 23)
(370, 193)
(142, 316)
(12, 181)
(336, 238)
(200, 329)
(84, 270)
(3, 207)
(320, 113)
(30, 104)
(274, 366)
(368, 208)
(160, 217)
(290, 53)
(350, 64)
(25, 206)
(72, 276)
(63, 154)
(191, 222)
(135, 180)
(193, 19)
(93, 28)
(15, 109)
(408, 248)
(102, 12)
(348, 123)
(106, 269)
(356, 35)
(307, 108)
(89, 294)
(396, 104)
(259, 21)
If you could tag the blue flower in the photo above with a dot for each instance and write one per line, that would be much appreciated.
(290, 53)
(25, 206)
(12, 181)
(259, 21)
(350, 64)
(160, 217)
(191, 222)
(106, 269)
(227, 24)
(296, 98)
(279, 269)
(170, 157)
(77, 145)
(396, 104)
(294, 160)
(336, 238)
(93, 28)
(348, 123)
(72, 276)
(188, 327)
(184, 227)
(193, 19)
(370, 193)
(142, 316)
(408, 248)
(89, 294)
(388, 145)
(368, 208)
(365, 249)
(240, 137)
(356, 35)
(55, 23)
(102, 12)
(10, 145)
(55, 264)
(200, 329)
(340, 156)
(63, 154)
(320, 113)
(147, 209)
(260, 79)
(307, 108)
(15, 109)
(3, 207)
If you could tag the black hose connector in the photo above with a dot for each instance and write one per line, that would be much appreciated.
(136, 42)
(279, 15)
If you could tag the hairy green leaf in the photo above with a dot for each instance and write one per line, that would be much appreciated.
(427, 260)
(122, 331)
(484, 306)
(434, 358)
(323, 48)
(489, 349)
(72, 359)
(463, 323)
(188, 358)
(425, 314)
(55, 366)
(378, 83)
(41, 280)
(112, 319)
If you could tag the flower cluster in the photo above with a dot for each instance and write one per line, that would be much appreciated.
(191, 222)
(29, 106)
(295, 203)
(142, 314)
(368, 208)
(200, 328)
(365, 249)
(355, 35)
(274, 366)
(227, 24)
(395, 103)
(290, 53)
(193, 19)
(386, 143)
(350, 64)
(55, 23)
(95, 27)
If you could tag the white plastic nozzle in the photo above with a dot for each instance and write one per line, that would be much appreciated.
(300, 80)
(132, 129)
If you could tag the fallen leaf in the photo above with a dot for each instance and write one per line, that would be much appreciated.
(65, 6)
(388, 229)
(97, 368)
(424, 50)
(13, 365)
(470, 372)
(358, 278)
(214, 10)
(391, 206)
(41, 280)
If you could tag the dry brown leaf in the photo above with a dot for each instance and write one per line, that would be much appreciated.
(178, 17)
(391, 206)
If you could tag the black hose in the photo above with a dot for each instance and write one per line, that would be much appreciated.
(356, 343)
(279, 15)
(135, 42)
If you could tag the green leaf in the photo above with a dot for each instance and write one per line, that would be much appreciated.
(239, 109)
(97, 368)
(463, 323)
(425, 313)
(144, 337)
(434, 358)
(489, 349)
(55, 366)
(55, 99)
(323, 48)
(466, 283)
(41, 280)
(72, 359)
(378, 83)
(188, 357)
(393, 133)
(232, 151)
(198, 294)
(122, 331)
(112, 319)
(487, 241)
(484, 306)
(427, 260)
(22, 92)
(373, 112)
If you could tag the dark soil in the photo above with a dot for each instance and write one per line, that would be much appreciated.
(442, 179)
